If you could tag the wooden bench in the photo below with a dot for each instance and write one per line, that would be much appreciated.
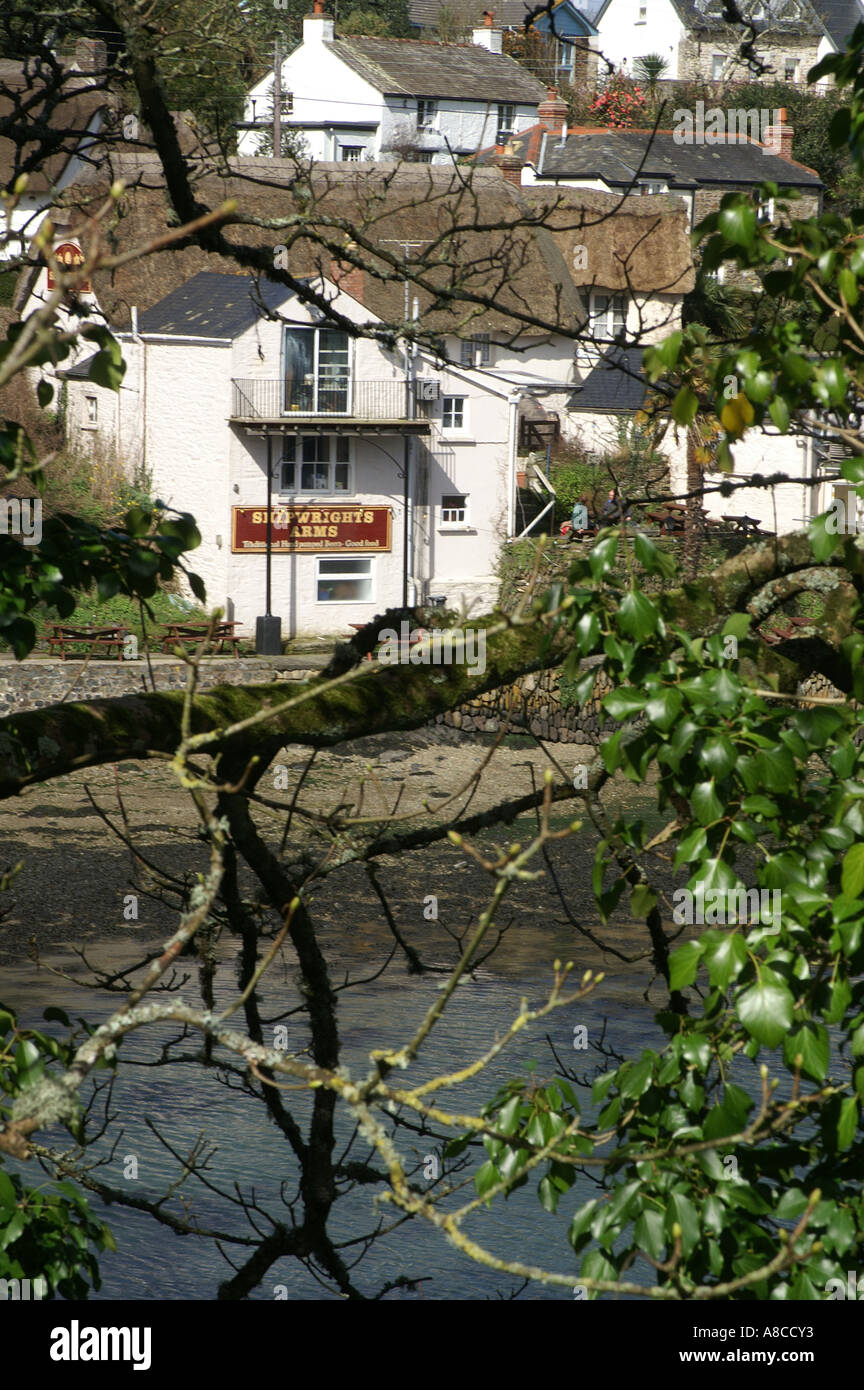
(748, 524)
(92, 638)
(178, 634)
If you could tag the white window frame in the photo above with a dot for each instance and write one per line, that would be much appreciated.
(347, 561)
(649, 187)
(643, 14)
(476, 351)
(91, 412)
(330, 464)
(765, 212)
(354, 157)
(464, 524)
(462, 410)
(427, 114)
(502, 131)
(603, 320)
(722, 60)
(793, 63)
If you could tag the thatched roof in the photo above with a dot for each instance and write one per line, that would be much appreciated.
(637, 244)
(468, 231)
(39, 112)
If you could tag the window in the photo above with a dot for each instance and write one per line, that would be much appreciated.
(351, 154)
(648, 186)
(564, 57)
(420, 157)
(317, 371)
(454, 509)
(324, 464)
(608, 315)
(453, 412)
(765, 211)
(790, 70)
(92, 404)
(643, 14)
(347, 579)
(427, 114)
(476, 351)
(287, 103)
(506, 122)
(718, 63)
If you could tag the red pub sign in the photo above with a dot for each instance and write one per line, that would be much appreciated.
(308, 527)
(69, 257)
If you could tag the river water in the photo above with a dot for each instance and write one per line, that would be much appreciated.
(186, 1102)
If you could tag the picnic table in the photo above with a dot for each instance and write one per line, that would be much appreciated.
(177, 634)
(749, 525)
(64, 635)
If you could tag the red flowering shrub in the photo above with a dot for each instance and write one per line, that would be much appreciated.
(620, 102)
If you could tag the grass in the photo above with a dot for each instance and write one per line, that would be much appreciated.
(91, 611)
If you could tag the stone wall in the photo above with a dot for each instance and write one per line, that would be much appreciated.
(533, 705)
(34, 684)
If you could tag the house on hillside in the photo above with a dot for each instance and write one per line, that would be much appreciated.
(230, 380)
(698, 170)
(571, 55)
(350, 98)
(69, 118)
(697, 42)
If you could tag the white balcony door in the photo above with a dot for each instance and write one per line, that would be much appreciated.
(317, 371)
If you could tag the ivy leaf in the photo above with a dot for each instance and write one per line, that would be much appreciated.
(738, 223)
(725, 956)
(637, 615)
(852, 873)
(812, 1043)
(684, 964)
(847, 1123)
(765, 1009)
(685, 406)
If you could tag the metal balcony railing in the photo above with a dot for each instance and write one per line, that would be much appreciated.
(262, 399)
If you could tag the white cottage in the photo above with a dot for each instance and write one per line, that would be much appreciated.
(351, 98)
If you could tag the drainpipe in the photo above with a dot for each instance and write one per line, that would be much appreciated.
(512, 440)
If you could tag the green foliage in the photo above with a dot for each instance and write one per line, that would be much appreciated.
(46, 1232)
(708, 1168)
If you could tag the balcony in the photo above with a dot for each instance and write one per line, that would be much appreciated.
(338, 401)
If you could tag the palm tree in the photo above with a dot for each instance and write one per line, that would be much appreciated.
(650, 69)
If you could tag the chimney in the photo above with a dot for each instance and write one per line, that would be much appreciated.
(347, 278)
(488, 37)
(553, 112)
(318, 26)
(778, 137)
(510, 164)
(91, 55)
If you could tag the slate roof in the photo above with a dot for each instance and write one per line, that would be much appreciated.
(706, 16)
(211, 306)
(839, 18)
(617, 156)
(421, 68)
(508, 13)
(610, 388)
